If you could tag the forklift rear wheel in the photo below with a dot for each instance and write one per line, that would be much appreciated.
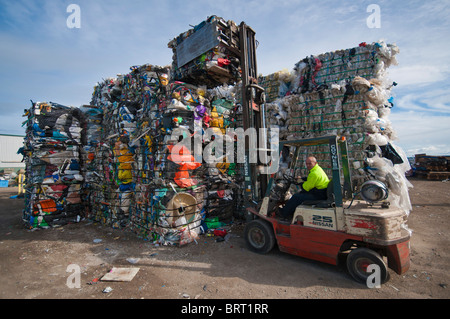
(360, 259)
(259, 236)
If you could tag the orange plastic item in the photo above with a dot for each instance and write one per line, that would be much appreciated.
(45, 206)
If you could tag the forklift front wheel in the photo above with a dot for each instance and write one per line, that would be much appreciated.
(358, 262)
(259, 236)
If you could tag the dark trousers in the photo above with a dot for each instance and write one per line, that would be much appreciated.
(297, 199)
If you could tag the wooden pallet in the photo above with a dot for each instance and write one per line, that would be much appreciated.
(432, 175)
(434, 167)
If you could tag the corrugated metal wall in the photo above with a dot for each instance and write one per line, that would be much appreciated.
(9, 145)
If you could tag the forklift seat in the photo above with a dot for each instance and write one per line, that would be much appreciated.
(323, 203)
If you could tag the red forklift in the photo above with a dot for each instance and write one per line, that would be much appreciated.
(364, 232)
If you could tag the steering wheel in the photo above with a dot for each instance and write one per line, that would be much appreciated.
(289, 178)
(293, 180)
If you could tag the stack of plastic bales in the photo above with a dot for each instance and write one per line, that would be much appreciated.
(431, 167)
(199, 169)
(109, 164)
(276, 85)
(224, 196)
(176, 192)
(146, 86)
(147, 171)
(207, 55)
(92, 126)
(174, 187)
(346, 93)
(51, 152)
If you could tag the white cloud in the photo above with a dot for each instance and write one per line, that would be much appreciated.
(419, 74)
(433, 150)
(432, 99)
(419, 131)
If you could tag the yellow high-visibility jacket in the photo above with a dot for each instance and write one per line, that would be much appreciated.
(316, 178)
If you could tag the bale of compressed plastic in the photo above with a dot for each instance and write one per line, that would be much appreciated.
(52, 148)
(346, 93)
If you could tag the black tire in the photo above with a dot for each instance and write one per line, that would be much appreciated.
(359, 259)
(259, 236)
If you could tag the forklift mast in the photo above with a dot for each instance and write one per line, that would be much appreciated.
(258, 185)
(253, 116)
(239, 41)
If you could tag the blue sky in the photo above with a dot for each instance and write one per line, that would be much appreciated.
(43, 60)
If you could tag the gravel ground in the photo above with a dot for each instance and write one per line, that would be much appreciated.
(37, 263)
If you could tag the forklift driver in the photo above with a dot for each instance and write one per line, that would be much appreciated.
(314, 188)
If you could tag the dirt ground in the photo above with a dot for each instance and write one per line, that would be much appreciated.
(34, 264)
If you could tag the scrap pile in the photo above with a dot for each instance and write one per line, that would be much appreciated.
(208, 54)
(51, 152)
(113, 171)
(147, 171)
(93, 117)
(156, 157)
(345, 93)
(432, 167)
(100, 172)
